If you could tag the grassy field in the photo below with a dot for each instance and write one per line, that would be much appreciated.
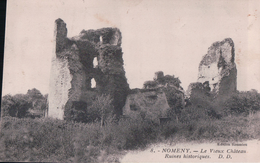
(61, 141)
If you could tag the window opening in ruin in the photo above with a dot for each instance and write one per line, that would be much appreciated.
(208, 66)
(95, 62)
(93, 83)
(213, 79)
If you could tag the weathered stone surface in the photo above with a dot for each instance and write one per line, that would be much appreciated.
(158, 98)
(218, 70)
(72, 68)
(146, 104)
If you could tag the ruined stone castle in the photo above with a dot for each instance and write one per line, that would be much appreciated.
(73, 70)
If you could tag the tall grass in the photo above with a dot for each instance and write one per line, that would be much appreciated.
(62, 141)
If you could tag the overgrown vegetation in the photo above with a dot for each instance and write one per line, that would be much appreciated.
(104, 138)
(32, 104)
(171, 86)
(245, 102)
(101, 110)
(62, 141)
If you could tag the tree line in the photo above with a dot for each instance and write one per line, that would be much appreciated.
(32, 104)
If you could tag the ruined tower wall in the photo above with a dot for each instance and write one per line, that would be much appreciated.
(59, 86)
(60, 75)
(218, 68)
(217, 65)
(110, 63)
(72, 69)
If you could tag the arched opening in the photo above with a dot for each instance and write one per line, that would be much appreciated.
(95, 62)
(93, 83)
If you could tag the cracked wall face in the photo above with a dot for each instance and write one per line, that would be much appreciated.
(146, 104)
(158, 99)
(218, 69)
(209, 73)
(73, 69)
(59, 86)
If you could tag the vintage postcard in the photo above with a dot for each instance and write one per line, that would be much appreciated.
(131, 81)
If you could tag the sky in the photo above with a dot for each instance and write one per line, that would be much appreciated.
(166, 35)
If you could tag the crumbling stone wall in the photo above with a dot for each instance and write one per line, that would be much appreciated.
(146, 104)
(72, 68)
(218, 70)
(161, 97)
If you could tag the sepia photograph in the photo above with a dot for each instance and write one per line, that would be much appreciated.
(131, 81)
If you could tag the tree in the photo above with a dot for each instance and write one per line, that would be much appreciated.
(7, 103)
(36, 98)
(32, 104)
(39, 103)
(175, 101)
(16, 106)
(172, 81)
(244, 102)
(102, 105)
(34, 94)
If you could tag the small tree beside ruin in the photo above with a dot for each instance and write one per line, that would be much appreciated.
(102, 108)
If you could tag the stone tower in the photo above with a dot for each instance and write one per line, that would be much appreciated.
(217, 72)
(72, 68)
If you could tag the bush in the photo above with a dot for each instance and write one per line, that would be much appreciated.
(131, 134)
(175, 101)
(76, 111)
(243, 103)
(192, 114)
(100, 110)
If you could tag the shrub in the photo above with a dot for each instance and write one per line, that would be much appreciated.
(76, 111)
(175, 101)
(168, 129)
(130, 133)
(243, 103)
(102, 108)
(193, 114)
